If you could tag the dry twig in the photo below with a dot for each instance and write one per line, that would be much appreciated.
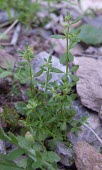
(6, 32)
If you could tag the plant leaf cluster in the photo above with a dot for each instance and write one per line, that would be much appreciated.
(90, 34)
(25, 10)
(48, 112)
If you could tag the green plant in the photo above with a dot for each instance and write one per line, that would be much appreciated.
(10, 116)
(25, 10)
(90, 34)
(48, 115)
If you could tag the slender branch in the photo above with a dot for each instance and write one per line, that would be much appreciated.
(67, 49)
(6, 32)
(100, 140)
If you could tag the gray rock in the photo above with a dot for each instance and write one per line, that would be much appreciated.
(94, 52)
(86, 134)
(91, 50)
(86, 157)
(87, 6)
(100, 113)
(94, 21)
(39, 32)
(65, 153)
(89, 86)
(4, 16)
(39, 61)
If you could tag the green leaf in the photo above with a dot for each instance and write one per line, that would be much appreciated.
(20, 106)
(15, 154)
(75, 21)
(52, 120)
(90, 34)
(73, 96)
(22, 142)
(29, 164)
(37, 147)
(77, 32)
(23, 162)
(50, 76)
(42, 135)
(64, 77)
(50, 58)
(24, 81)
(75, 129)
(5, 74)
(63, 58)
(74, 78)
(70, 57)
(74, 68)
(38, 73)
(23, 74)
(72, 84)
(63, 126)
(13, 138)
(3, 135)
(37, 164)
(8, 165)
(73, 45)
(51, 157)
(1, 70)
(56, 70)
(69, 99)
(57, 36)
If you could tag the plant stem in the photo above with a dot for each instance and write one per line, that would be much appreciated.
(31, 79)
(42, 144)
(53, 135)
(67, 52)
(7, 31)
(47, 78)
(93, 132)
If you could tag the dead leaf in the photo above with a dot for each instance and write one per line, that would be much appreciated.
(6, 60)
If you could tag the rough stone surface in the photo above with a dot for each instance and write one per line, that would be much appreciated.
(89, 87)
(94, 21)
(4, 16)
(86, 134)
(93, 4)
(39, 60)
(86, 157)
(60, 47)
(65, 153)
(100, 113)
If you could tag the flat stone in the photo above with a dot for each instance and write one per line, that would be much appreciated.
(91, 4)
(65, 153)
(86, 134)
(89, 86)
(94, 21)
(86, 157)
(100, 113)
(4, 16)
